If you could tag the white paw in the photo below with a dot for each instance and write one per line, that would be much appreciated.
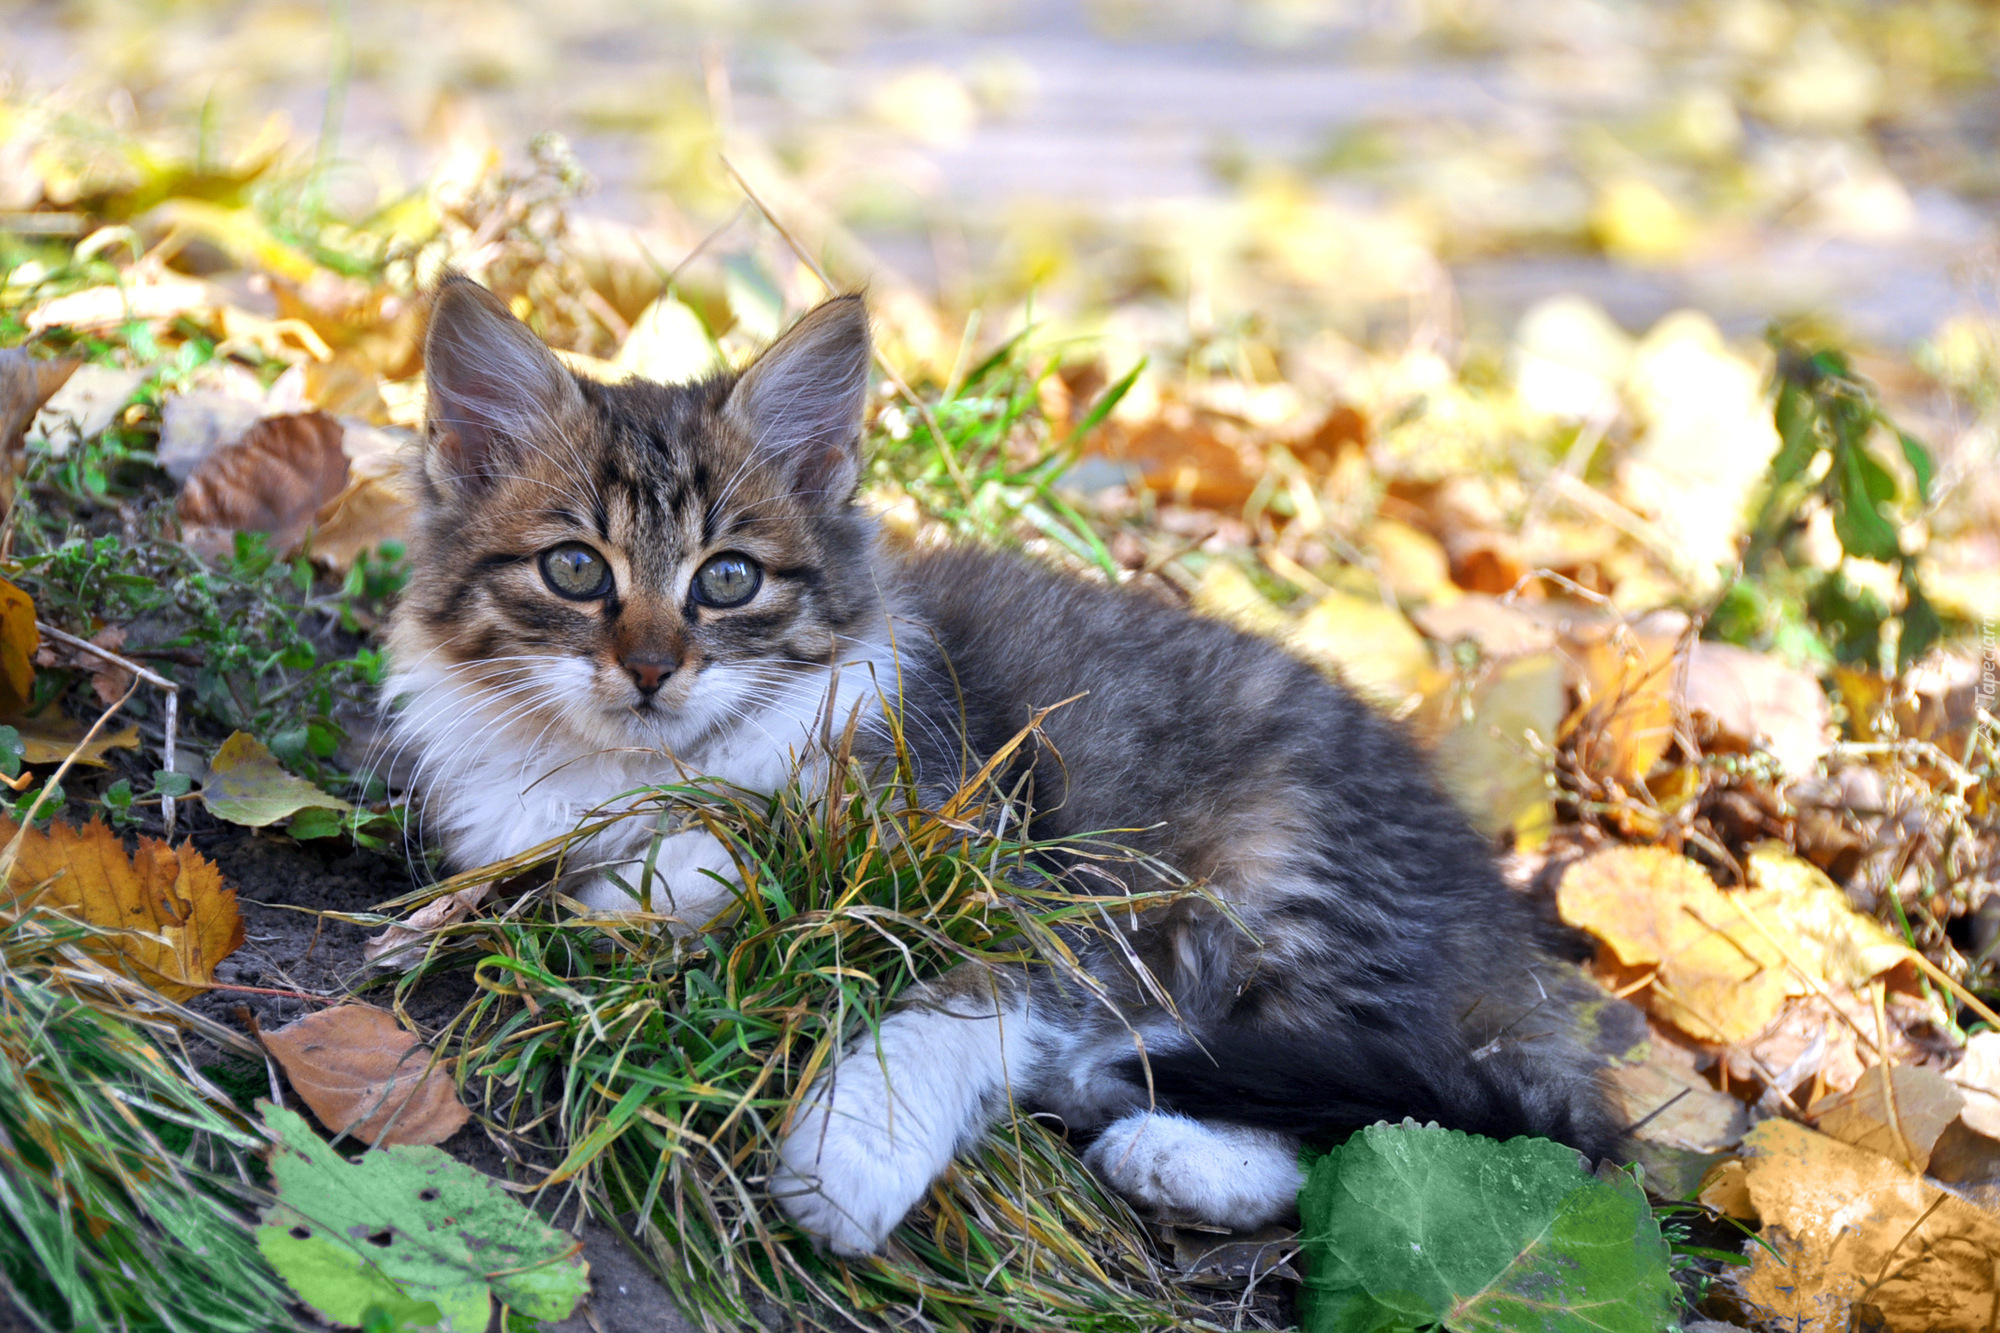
(1183, 1170)
(682, 882)
(849, 1176)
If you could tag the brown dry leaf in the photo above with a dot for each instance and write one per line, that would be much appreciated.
(1626, 720)
(18, 640)
(1864, 1242)
(274, 480)
(1727, 1190)
(364, 1075)
(432, 916)
(49, 737)
(175, 919)
(1678, 1106)
(1497, 628)
(1189, 464)
(376, 506)
(1977, 1075)
(108, 680)
(1756, 700)
(25, 384)
(1895, 1110)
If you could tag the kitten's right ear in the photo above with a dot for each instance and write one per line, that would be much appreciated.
(493, 386)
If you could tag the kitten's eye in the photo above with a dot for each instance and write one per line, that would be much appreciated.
(575, 571)
(727, 580)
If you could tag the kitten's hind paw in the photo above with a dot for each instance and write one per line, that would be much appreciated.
(1182, 1170)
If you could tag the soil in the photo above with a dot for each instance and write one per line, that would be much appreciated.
(281, 887)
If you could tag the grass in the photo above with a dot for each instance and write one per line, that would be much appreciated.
(125, 1174)
(655, 1076)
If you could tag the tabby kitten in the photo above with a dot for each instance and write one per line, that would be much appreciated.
(623, 585)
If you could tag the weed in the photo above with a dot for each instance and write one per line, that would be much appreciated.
(661, 1072)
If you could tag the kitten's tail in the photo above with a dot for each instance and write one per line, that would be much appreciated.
(1344, 1077)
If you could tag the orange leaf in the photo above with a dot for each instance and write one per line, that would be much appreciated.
(174, 921)
(363, 1074)
(18, 640)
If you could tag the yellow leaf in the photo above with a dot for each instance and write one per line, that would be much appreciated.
(1655, 909)
(247, 785)
(1812, 917)
(1226, 593)
(1486, 760)
(48, 737)
(18, 640)
(174, 921)
(1854, 1229)
(1627, 720)
(1375, 649)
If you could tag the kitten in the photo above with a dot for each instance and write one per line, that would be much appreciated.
(621, 585)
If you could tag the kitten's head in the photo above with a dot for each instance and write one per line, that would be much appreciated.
(633, 564)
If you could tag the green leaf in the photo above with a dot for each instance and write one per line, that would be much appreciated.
(406, 1225)
(1921, 624)
(1794, 418)
(171, 784)
(247, 785)
(1406, 1227)
(1919, 459)
(11, 748)
(316, 822)
(1856, 521)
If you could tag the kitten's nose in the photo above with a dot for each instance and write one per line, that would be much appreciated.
(649, 672)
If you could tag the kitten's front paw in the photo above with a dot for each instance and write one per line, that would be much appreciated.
(1183, 1170)
(844, 1175)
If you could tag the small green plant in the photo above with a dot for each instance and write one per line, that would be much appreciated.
(980, 460)
(1832, 431)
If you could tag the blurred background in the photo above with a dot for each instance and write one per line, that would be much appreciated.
(1168, 174)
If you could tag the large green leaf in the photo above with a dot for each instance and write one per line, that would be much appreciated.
(404, 1226)
(1408, 1227)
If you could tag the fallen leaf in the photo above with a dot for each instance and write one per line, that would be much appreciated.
(1727, 1190)
(18, 640)
(49, 737)
(154, 297)
(425, 1239)
(1373, 647)
(363, 1074)
(108, 680)
(1225, 593)
(1758, 701)
(273, 480)
(247, 785)
(25, 384)
(1652, 908)
(1812, 916)
(1625, 721)
(391, 943)
(1389, 1241)
(87, 405)
(1678, 1106)
(1486, 759)
(1862, 1241)
(1895, 1110)
(1189, 464)
(173, 920)
(1977, 1075)
(1496, 628)
(224, 402)
(375, 508)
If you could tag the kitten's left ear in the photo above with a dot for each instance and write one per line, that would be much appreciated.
(801, 401)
